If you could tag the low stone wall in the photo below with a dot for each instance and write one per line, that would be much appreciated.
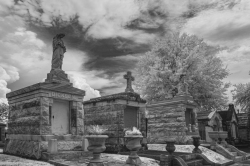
(33, 145)
(23, 148)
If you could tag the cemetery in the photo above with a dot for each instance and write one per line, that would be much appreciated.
(49, 121)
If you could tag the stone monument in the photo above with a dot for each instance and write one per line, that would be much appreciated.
(49, 112)
(117, 112)
(173, 118)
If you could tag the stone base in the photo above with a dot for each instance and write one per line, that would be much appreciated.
(58, 76)
(67, 155)
(197, 150)
(133, 161)
(95, 164)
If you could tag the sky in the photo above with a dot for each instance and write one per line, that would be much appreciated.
(104, 38)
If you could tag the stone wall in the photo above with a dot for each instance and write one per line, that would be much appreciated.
(243, 133)
(24, 117)
(109, 115)
(166, 122)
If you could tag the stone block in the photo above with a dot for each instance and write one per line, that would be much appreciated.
(44, 120)
(45, 101)
(44, 110)
(79, 122)
(79, 106)
(68, 145)
(45, 130)
(80, 114)
(181, 119)
(52, 146)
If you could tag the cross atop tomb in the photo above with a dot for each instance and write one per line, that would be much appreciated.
(129, 79)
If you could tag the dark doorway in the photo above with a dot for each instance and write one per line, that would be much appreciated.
(130, 117)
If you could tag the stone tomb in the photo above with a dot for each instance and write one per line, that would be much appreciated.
(42, 112)
(172, 119)
(116, 112)
(48, 111)
(208, 121)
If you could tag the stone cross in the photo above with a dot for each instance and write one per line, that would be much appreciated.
(129, 79)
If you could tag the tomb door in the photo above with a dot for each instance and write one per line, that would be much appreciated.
(131, 117)
(189, 117)
(60, 117)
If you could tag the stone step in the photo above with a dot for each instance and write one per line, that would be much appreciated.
(68, 155)
(238, 158)
(188, 157)
(234, 153)
(196, 162)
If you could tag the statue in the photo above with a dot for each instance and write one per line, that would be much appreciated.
(56, 73)
(58, 51)
(182, 86)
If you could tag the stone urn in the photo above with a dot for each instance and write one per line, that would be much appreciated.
(196, 143)
(223, 135)
(214, 136)
(170, 146)
(133, 143)
(96, 146)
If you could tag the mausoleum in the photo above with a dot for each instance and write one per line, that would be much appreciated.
(208, 121)
(173, 118)
(116, 112)
(44, 111)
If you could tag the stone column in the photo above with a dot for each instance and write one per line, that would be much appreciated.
(45, 126)
(79, 115)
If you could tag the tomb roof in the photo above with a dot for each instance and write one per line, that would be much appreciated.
(227, 115)
(58, 87)
(205, 115)
(131, 96)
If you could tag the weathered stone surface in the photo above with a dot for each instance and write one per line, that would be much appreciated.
(211, 155)
(79, 122)
(45, 101)
(68, 145)
(23, 148)
(44, 120)
(45, 129)
(44, 110)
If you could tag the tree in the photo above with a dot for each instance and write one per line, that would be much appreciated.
(4, 110)
(241, 95)
(159, 71)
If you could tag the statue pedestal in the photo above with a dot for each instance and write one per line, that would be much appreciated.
(58, 76)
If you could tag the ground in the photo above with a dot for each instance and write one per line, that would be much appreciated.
(9, 160)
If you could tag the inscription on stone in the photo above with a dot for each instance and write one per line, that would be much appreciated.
(62, 95)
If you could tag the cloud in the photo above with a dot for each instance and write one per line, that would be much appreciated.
(80, 82)
(226, 26)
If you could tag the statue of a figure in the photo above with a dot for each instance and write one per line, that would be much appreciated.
(183, 86)
(58, 51)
